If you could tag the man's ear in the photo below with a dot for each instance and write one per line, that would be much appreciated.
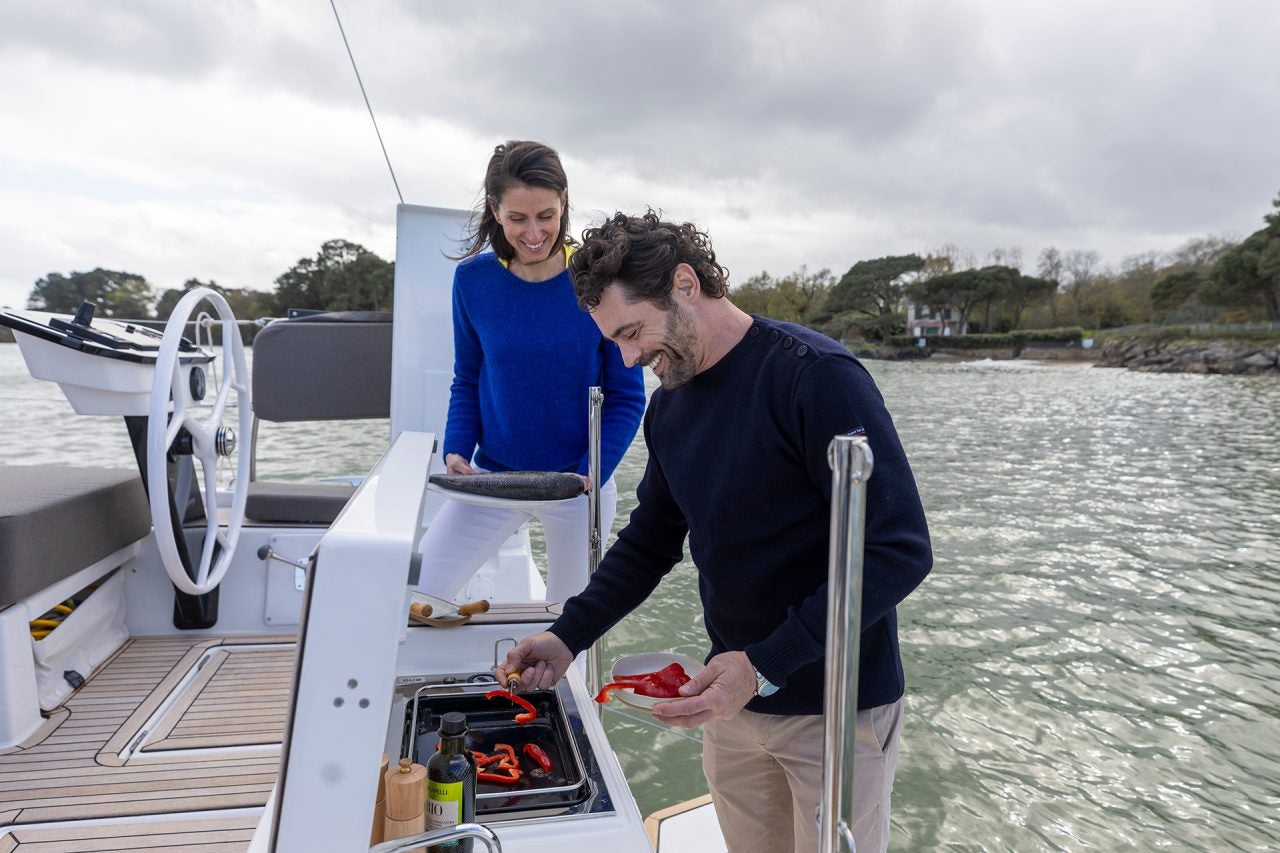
(684, 282)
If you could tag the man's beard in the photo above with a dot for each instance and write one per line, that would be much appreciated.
(679, 351)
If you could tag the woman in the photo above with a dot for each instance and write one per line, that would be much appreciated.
(525, 356)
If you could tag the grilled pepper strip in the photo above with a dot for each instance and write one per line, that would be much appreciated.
(664, 683)
(511, 779)
(483, 760)
(503, 758)
(603, 696)
(531, 713)
(539, 756)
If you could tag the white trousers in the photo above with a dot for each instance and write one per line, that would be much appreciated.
(463, 536)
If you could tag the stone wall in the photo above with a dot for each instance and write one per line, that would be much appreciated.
(1191, 357)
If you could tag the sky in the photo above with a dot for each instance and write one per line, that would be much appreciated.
(225, 140)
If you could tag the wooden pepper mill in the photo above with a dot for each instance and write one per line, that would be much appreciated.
(406, 801)
(380, 805)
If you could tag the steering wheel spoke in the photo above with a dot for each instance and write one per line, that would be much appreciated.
(170, 413)
(209, 488)
(225, 387)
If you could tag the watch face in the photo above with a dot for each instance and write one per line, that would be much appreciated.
(764, 687)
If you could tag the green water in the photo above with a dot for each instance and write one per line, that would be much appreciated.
(1092, 665)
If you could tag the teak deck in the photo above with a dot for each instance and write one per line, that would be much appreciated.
(154, 753)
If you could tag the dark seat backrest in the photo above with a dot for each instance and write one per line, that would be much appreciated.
(333, 366)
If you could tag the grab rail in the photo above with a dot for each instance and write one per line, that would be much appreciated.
(851, 464)
(595, 539)
(439, 836)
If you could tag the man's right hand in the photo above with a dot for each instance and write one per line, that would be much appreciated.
(541, 660)
(455, 464)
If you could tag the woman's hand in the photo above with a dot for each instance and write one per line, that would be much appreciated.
(455, 464)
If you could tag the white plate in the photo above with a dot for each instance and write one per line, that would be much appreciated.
(648, 662)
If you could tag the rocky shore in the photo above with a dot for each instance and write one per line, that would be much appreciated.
(1191, 356)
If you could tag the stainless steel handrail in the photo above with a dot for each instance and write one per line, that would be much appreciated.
(439, 836)
(595, 538)
(851, 464)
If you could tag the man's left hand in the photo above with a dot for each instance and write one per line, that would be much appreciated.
(717, 693)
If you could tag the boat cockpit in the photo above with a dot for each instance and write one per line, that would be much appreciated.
(241, 650)
(210, 662)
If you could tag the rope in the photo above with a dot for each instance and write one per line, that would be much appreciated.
(366, 101)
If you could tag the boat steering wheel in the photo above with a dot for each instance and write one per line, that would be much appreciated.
(171, 414)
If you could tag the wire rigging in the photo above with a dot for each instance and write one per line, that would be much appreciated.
(365, 95)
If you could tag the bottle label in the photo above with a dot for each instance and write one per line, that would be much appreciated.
(444, 804)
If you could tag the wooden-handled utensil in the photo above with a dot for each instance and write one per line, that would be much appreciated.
(443, 617)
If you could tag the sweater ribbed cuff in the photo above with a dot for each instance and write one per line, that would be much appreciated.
(779, 655)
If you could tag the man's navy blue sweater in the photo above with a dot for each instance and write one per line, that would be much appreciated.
(738, 463)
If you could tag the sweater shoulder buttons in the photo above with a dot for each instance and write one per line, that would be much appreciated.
(773, 336)
(787, 342)
(802, 350)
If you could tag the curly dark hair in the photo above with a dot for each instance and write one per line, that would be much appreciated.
(640, 254)
(514, 163)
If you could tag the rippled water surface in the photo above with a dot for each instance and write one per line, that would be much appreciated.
(1092, 665)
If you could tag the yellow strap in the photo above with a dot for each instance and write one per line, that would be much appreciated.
(568, 253)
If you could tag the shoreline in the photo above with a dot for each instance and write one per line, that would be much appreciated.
(1230, 357)
(1220, 357)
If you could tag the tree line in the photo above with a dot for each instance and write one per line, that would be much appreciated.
(1205, 279)
(342, 276)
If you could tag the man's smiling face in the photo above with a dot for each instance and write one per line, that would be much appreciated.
(664, 340)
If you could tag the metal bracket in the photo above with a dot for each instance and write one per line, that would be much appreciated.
(299, 569)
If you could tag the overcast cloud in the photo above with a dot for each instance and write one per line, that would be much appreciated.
(226, 140)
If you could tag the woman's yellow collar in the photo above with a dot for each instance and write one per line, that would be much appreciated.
(568, 253)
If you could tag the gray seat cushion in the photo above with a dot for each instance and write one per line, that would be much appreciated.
(296, 503)
(57, 519)
(323, 367)
(331, 366)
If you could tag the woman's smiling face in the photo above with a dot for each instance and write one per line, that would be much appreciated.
(530, 219)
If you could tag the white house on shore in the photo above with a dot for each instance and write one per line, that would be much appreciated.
(925, 321)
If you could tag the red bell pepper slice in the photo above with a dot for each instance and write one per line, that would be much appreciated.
(511, 778)
(603, 696)
(530, 714)
(483, 760)
(664, 683)
(503, 758)
(508, 753)
(539, 756)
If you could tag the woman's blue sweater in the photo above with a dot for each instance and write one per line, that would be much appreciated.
(525, 356)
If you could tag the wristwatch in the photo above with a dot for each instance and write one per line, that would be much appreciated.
(764, 687)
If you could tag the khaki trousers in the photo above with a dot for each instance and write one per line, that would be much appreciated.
(765, 774)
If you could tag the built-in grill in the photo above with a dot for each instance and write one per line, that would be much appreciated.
(572, 786)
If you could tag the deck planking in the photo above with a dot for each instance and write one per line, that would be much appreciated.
(216, 748)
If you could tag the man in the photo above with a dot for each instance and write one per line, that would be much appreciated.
(737, 438)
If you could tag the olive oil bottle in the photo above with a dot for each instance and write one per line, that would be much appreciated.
(451, 783)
